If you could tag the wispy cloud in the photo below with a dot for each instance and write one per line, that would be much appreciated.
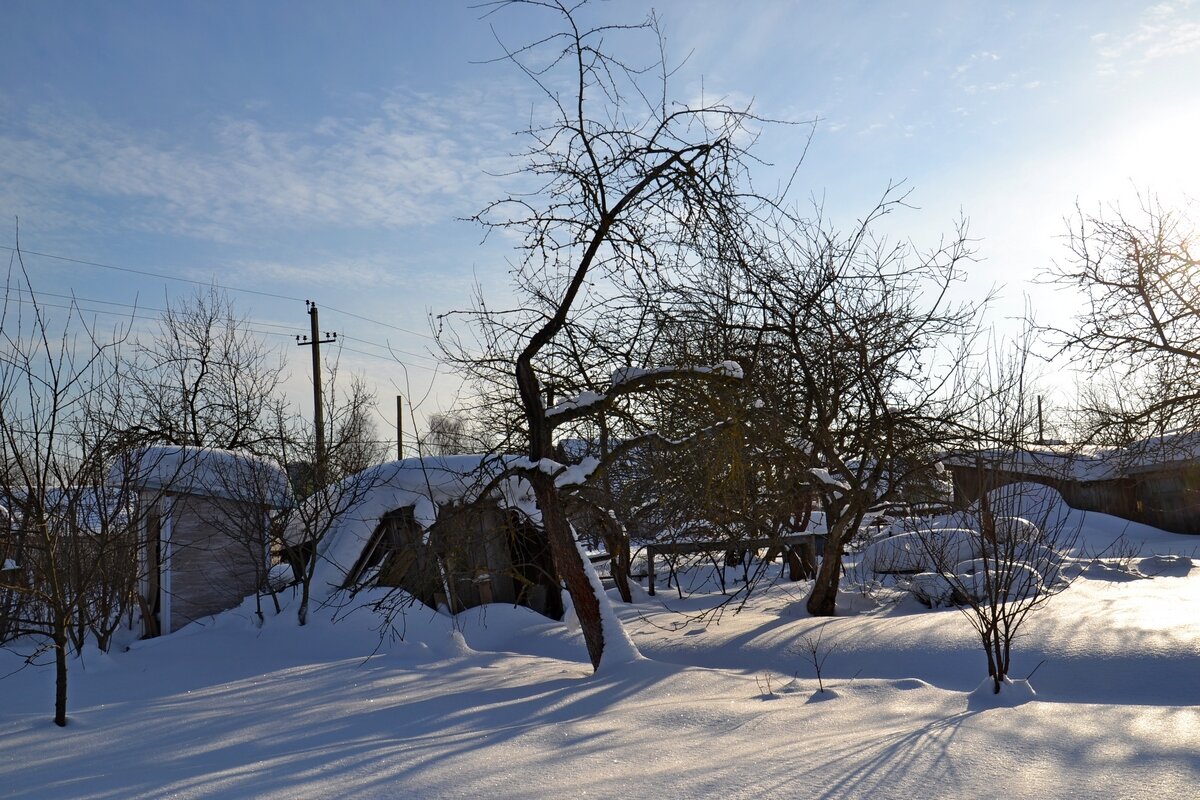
(415, 160)
(981, 57)
(1164, 30)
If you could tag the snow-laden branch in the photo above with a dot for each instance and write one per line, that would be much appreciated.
(822, 475)
(628, 380)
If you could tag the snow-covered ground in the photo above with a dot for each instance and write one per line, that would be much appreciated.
(506, 705)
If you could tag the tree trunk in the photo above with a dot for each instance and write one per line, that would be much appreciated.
(618, 559)
(802, 561)
(991, 647)
(60, 673)
(302, 612)
(822, 602)
(569, 564)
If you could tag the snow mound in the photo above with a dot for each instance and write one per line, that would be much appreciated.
(932, 589)
(1031, 502)
(822, 695)
(928, 551)
(1017, 529)
(978, 578)
(1111, 570)
(1165, 566)
(1012, 694)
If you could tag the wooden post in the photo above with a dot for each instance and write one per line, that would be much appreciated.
(650, 568)
(1041, 438)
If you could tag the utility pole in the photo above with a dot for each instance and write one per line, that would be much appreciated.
(399, 427)
(1041, 438)
(315, 341)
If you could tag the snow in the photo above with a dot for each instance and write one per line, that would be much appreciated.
(730, 369)
(576, 474)
(921, 552)
(8, 565)
(583, 400)
(822, 475)
(1011, 694)
(205, 471)
(500, 702)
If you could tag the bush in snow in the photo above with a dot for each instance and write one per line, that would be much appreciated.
(1017, 534)
(976, 578)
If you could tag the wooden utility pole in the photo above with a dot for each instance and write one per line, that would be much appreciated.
(1041, 437)
(315, 341)
(399, 427)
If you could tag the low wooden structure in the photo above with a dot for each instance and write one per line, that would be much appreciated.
(454, 532)
(472, 555)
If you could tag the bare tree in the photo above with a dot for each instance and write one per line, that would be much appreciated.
(70, 535)
(448, 435)
(1140, 321)
(857, 363)
(354, 438)
(1018, 535)
(205, 380)
(627, 184)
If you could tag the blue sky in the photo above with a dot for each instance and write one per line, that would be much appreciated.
(327, 151)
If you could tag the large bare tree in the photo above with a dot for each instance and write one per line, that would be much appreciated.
(858, 361)
(620, 184)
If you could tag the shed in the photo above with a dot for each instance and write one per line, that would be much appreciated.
(1155, 481)
(452, 531)
(203, 542)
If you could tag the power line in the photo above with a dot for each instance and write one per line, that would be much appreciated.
(262, 323)
(387, 358)
(148, 273)
(128, 315)
(77, 299)
(161, 276)
(75, 306)
(392, 349)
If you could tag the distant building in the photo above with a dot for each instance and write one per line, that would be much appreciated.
(1155, 481)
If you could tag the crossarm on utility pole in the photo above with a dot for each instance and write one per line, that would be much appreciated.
(315, 341)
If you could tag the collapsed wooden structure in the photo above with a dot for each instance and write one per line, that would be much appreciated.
(454, 532)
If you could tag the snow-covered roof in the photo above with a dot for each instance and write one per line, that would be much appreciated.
(1159, 451)
(1047, 461)
(204, 471)
(423, 484)
(1081, 463)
